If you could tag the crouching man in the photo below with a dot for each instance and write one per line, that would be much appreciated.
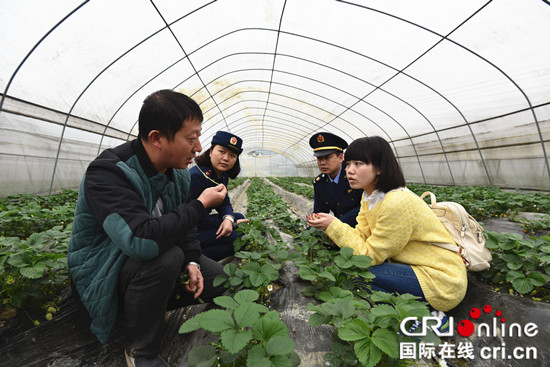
(134, 232)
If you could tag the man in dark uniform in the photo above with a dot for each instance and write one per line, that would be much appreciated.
(332, 191)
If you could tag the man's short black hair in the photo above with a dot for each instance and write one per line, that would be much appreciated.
(377, 151)
(166, 111)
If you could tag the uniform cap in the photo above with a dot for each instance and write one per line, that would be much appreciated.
(326, 143)
(228, 140)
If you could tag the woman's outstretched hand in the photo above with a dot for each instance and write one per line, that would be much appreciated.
(319, 220)
(245, 220)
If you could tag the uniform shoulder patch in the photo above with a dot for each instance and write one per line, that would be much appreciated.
(316, 179)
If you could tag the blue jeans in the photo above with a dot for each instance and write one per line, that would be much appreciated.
(396, 278)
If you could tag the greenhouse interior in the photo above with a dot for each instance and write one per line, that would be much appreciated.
(459, 89)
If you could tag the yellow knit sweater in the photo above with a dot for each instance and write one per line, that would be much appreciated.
(398, 229)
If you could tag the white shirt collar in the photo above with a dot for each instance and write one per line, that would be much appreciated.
(374, 198)
(377, 196)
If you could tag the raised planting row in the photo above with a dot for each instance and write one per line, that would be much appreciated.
(236, 182)
(289, 184)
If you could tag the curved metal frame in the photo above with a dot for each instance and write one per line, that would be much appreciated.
(275, 54)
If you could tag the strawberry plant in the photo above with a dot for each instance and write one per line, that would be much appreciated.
(249, 335)
(34, 270)
(250, 275)
(367, 330)
(33, 249)
(522, 263)
(540, 223)
(337, 269)
(22, 215)
(253, 237)
(367, 323)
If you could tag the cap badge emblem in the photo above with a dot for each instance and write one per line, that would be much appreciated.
(233, 140)
(320, 138)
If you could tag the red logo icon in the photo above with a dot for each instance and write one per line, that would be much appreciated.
(466, 327)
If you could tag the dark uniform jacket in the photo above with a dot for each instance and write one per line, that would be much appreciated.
(344, 201)
(113, 221)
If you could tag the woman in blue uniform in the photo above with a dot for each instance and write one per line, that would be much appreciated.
(217, 165)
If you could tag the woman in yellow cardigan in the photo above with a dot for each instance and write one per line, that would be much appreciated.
(395, 228)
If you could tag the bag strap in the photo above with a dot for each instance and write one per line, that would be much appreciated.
(463, 219)
(459, 249)
(432, 197)
(451, 247)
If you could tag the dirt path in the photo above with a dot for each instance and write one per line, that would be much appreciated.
(238, 197)
(299, 205)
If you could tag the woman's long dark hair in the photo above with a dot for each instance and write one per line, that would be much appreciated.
(377, 151)
(204, 159)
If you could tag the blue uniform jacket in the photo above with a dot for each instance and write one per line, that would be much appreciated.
(344, 201)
